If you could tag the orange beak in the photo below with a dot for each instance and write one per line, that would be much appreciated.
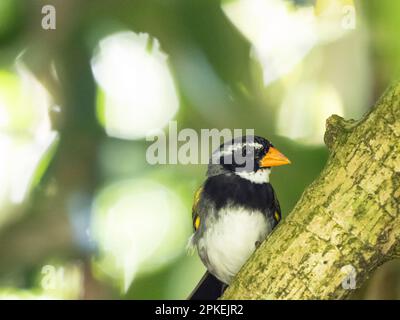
(273, 158)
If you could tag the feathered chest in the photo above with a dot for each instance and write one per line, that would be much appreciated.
(228, 241)
(235, 215)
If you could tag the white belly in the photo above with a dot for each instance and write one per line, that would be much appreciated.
(231, 240)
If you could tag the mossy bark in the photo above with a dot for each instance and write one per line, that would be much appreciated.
(346, 223)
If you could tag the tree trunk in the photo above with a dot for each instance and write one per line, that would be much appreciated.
(346, 223)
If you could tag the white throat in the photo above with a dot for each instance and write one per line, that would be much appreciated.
(260, 176)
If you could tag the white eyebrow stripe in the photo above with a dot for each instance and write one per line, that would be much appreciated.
(254, 145)
(237, 146)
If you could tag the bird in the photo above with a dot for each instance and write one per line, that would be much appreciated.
(234, 210)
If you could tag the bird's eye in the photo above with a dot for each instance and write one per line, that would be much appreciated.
(244, 151)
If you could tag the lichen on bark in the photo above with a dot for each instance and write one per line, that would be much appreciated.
(346, 223)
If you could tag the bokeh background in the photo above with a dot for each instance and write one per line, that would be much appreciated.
(83, 215)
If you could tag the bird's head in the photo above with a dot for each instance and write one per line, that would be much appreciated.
(250, 157)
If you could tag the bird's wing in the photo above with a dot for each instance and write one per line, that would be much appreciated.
(195, 219)
(276, 208)
(195, 209)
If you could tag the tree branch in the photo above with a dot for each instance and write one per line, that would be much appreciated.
(346, 223)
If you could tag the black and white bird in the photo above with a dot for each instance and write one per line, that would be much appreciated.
(234, 210)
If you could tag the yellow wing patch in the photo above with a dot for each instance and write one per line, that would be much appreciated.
(196, 223)
(195, 216)
(277, 216)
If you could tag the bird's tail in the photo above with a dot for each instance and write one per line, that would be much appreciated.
(209, 288)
